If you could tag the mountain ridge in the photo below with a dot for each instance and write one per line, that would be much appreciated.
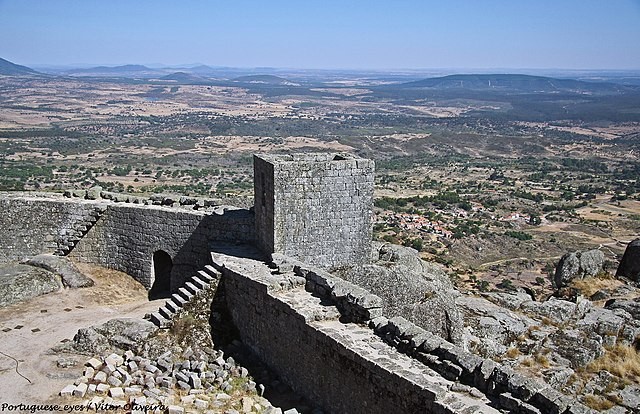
(8, 68)
(512, 82)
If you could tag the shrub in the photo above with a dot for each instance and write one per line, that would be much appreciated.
(520, 235)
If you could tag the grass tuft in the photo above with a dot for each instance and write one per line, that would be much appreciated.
(623, 361)
(597, 402)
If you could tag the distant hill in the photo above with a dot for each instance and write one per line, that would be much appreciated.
(264, 79)
(11, 69)
(123, 70)
(202, 70)
(183, 77)
(513, 83)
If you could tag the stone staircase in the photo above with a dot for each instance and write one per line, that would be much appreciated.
(204, 279)
(69, 238)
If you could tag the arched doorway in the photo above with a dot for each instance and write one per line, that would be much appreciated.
(161, 265)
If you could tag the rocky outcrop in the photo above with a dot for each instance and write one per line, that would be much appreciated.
(578, 265)
(116, 335)
(630, 264)
(490, 329)
(19, 282)
(632, 306)
(63, 267)
(510, 391)
(410, 287)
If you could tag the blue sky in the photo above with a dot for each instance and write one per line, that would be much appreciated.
(536, 34)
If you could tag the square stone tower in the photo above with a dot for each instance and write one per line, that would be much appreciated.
(314, 207)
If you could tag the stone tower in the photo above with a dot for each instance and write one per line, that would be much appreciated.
(314, 207)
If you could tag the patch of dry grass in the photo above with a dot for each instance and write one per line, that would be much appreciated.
(512, 353)
(543, 361)
(597, 402)
(622, 361)
(591, 285)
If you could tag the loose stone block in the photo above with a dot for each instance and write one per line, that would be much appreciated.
(132, 390)
(201, 404)
(175, 409)
(114, 381)
(114, 359)
(68, 390)
(94, 363)
(116, 392)
(194, 381)
(100, 376)
(188, 399)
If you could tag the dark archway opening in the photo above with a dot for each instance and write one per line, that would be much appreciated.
(161, 265)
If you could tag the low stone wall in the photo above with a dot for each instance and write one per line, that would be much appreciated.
(340, 365)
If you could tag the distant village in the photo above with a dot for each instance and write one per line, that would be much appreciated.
(445, 226)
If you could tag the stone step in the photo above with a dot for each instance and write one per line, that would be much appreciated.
(159, 320)
(185, 294)
(199, 282)
(205, 276)
(191, 288)
(178, 300)
(212, 271)
(216, 264)
(172, 306)
(166, 312)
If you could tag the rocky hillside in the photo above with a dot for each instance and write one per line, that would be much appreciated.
(583, 340)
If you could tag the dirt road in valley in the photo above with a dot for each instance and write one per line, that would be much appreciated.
(30, 329)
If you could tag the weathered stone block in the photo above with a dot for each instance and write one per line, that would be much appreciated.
(68, 390)
(116, 392)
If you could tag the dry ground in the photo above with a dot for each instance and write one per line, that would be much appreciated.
(28, 330)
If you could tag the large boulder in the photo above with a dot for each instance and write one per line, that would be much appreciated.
(115, 335)
(419, 291)
(20, 282)
(578, 265)
(62, 266)
(630, 264)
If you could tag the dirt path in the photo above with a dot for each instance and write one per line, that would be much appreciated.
(28, 330)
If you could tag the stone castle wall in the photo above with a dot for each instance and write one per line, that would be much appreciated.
(315, 207)
(329, 341)
(341, 366)
(127, 236)
(32, 225)
(124, 237)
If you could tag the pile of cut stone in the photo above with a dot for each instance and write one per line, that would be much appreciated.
(192, 381)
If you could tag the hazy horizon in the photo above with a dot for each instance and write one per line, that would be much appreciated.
(372, 35)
